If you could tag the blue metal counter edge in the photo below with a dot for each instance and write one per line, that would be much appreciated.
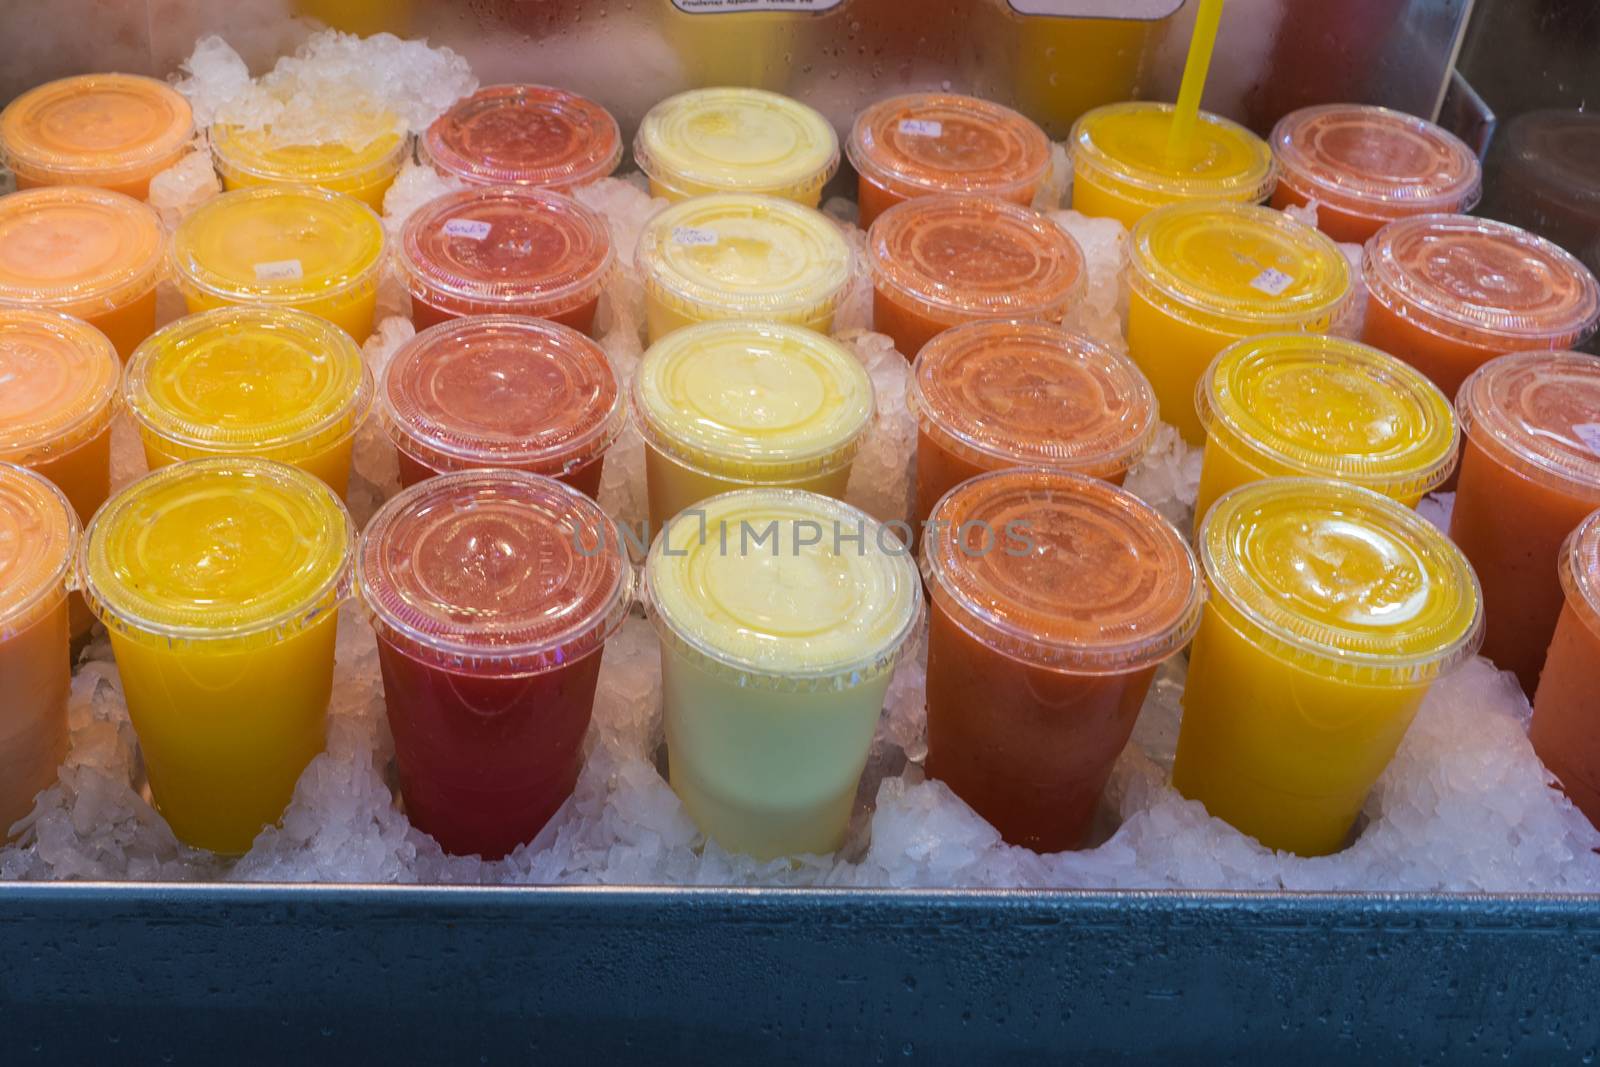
(288, 974)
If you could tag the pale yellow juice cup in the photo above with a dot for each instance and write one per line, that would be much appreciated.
(363, 167)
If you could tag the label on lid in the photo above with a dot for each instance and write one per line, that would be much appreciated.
(280, 270)
(691, 235)
(711, 7)
(921, 128)
(1144, 10)
(1589, 434)
(471, 229)
(1272, 282)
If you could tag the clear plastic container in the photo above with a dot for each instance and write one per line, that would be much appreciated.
(742, 257)
(1332, 611)
(363, 167)
(525, 135)
(1054, 598)
(1568, 699)
(781, 615)
(250, 381)
(940, 261)
(114, 131)
(504, 392)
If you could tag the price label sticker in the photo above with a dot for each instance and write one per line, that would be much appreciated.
(1589, 434)
(921, 128)
(1272, 282)
(280, 270)
(690, 235)
(471, 229)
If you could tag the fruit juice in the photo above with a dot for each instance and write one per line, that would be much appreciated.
(926, 143)
(250, 381)
(89, 253)
(525, 135)
(505, 251)
(300, 248)
(1332, 611)
(1449, 293)
(993, 395)
(1122, 169)
(1530, 472)
(1285, 405)
(781, 615)
(363, 167)
(1065, 66)
(731, 405)
(38, 536)
(729, 140)
(742, 257)
(940, 261)
(502, 392)
(115, 131)
(717, 46)
(1567, 703)
(1205, 275)
(1054, 598)
(492, 594)
(220, 581)
(1366, 166)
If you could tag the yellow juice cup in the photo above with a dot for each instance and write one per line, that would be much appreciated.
(220, 581)
(1202, 276)
(302, 248)
(250, 381)
(741, 257)
(730, 140)
(1121, 168)
(730, 405)
(1332, 611)
(781, 617)
(363, 167)
(1286, 405)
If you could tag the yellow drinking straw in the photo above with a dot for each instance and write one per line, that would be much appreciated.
(1201, 45)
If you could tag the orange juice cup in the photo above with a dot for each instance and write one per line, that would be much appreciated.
(1567, 703)
(525, 135)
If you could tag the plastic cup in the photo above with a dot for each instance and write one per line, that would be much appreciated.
(492, 594)
(1205, 275)
(781, 615)
(525, 135)
(1449, 293)
(1332, 611)
(1367, 166)
(923, 144)
(1121, 168)
(940, 261)
(988, 396)
(363, 167)
(301, 248)
(220, 581)
(1530, 472)
(1303, 405)
(728, 140)
(1054, 598)
(38, 537)
(735, 405)
(115, 131)
(502, 392)
(741, 257)
(89, 253)
(250, 381)
(505, 251)
(1567, 703)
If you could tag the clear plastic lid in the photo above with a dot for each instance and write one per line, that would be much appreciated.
(1342, 580)
(525, 135)
(783, 589)
(1062, 571)
(98, 128)
(494, 573)
(1126, 144)
(58, 384)
(737, 141)
(1242, 268)
(279, 244)
(38, 539)
(1579, 568)
(1032, 394)
(377, 145)
(943, 143)
(262, 381)
(1326, 407)
(481, 251)
(239, 550)
(1539, 414)
(77, 249)
(751, 257)
(1482, 281)
(963, 257)
(501, 391)
(755, 401)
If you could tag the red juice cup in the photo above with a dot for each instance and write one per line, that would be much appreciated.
(1567, 704)
(1530, 472)
(507, 251)
(1054, 598)
(492, 594)
(503, 392)
(525, 135)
